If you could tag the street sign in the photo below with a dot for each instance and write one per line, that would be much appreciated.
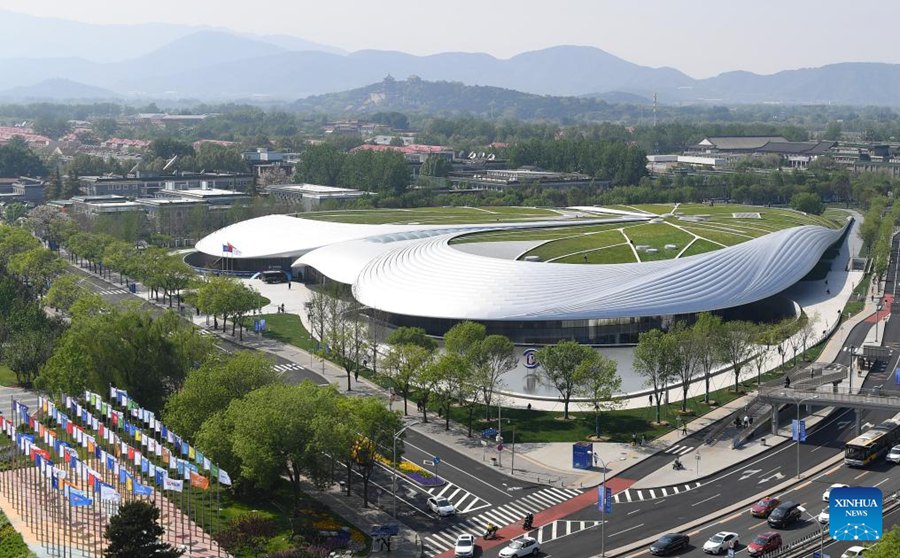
(499, 447)
(897, 376)
(436, 459)
(798, 431)
(604, 499)
(730, 553)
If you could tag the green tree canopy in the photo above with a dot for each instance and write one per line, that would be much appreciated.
(212, 387)
(564, 365)
(135, 532)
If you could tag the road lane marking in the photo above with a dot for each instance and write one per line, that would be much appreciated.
(880, 483)
(731, 517)
(706, 500)
(861, 475)
(638, 511)
(446, 464)
(626, 530)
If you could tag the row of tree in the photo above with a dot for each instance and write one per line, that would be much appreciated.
(383, 172)
(685, 352)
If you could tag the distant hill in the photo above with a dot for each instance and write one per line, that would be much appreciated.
(161, 61)
(449, 98)
(58, 90)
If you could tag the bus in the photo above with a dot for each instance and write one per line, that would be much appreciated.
(873, 443)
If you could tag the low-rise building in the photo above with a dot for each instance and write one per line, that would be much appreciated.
(310, 196)
(146, 185)
(22, 189)
(514, 178)
(103, 205)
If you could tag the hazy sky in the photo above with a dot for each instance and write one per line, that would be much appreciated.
(701, 38)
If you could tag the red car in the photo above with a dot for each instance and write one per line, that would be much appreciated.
(763, 543)
(764, 507)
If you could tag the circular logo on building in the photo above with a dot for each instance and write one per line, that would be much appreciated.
(530, 358)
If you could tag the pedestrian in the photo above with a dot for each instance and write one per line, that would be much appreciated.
(529, 406)
(746, 421)
(751, 421)
(684, 427)
(356, 375)
(596, 458)
(643, 440)
(289, 285)
(633, 439)
(651, 399)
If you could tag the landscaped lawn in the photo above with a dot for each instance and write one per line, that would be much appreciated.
(7, 376)
(543, 233)
(286, 328)
(620, 253)
(700, 246)
(658, 235)
(434, 215)
(578, 243)
(714, 234)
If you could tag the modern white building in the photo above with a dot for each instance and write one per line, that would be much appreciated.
(414, 276)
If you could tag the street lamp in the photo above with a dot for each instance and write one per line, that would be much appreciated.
(852, 352)
(602, 510)
(799, 402)
(821, 530)
(394, 463)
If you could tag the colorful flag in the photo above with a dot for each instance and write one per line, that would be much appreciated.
(172, 484)
(108, 493)
(143, 489)
(199, 481)
(224, 478)
(78, 500)
(160, 476)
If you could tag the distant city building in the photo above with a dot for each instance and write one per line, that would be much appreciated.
(263, 159)
(208, 195)
(22, 189)
(310, 196)
(27, 134)
(103, 205)
(145, 185)
(498, 179)
(414, 152)
(797, 154)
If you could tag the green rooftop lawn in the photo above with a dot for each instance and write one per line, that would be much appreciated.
(700, 247)
(574, 244)
(549, 233)
(620, 253)
(435, 215)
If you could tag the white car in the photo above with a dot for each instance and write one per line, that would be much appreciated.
(441, 506)
(894, 454)
(854, 552)
(823, 517)
(526, 546)
(720, 542)
(830, 488)
(465, 546)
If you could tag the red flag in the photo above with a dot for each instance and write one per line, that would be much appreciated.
(31, 422)
(115, 418)
(70, 427)
(100, 430)
(130, 453)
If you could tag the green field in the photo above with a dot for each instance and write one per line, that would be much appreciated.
(712, 228)
(7, 376)
(435, 215)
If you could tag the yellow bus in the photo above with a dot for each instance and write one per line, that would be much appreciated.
(873, 443)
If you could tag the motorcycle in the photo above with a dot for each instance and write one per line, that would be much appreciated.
(677, 466)
(490, 532)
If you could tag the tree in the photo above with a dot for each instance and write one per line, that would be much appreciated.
(377, 426)
(449, 375)
(346, 334)
(26, 351)
(737, 346)
(212, 387)
(404, 363)
(599, 383)
(36, 268)
(135, 532)
(14, 211)
(563, 366)
(16, 159)
(271, 443)
(493, 357)
(656, 358)
(888, 546)
(435, 165)
(64, 291)
(320, 164)
(708, 329)
(411, 336)
(807, 202)
(690, 351)
(808, 331)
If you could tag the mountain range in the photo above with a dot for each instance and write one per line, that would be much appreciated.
(163, 61)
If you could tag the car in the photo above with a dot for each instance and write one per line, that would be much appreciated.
(830, 488)
(525, 546)
(441, 506)
(894, 455)
(720, 542)
(784, 515)
(854, 552)
(764, 507)
(764, 542)
(823, 517)
(465, 546)
(669, 543)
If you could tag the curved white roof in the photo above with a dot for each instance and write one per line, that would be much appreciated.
(432, 279)
(276, 236)
(412, 270)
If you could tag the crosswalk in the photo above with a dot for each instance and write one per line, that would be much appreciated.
(679, 449)
(644, 494)
(287, 367)
(559, 529)
(463, 500)
(112, 291)
(506, 514)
